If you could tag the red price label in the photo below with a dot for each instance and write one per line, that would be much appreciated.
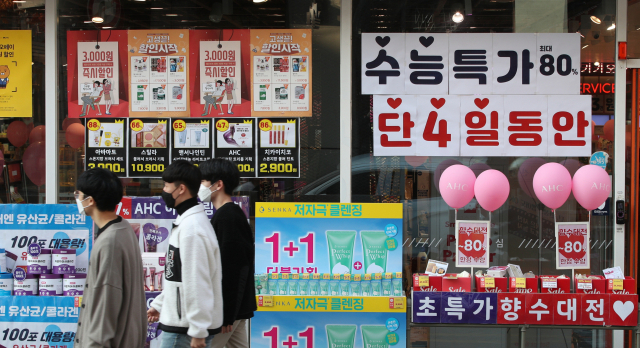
(93, 124)
(136, 125)
(572, 247)
(473, 243)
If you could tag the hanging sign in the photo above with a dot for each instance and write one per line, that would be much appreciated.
(192, 140)
(279, 148)
(148, 154)
(572, 246)
(97, 77)
(220, 76)
(235, 141)
(15, 73)
(472, 243)
(105, 141)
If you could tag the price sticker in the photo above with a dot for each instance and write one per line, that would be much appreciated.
(93, 124)
(179, 125)
(618, 284)
(549, 283)
(136, 125)
(77, 301)
(489, 282)
(423, 281)
(336, 276)
(222, 125)
(396, 302)
(585, 284)
(521, 283)
(265, 125)
(265, 301)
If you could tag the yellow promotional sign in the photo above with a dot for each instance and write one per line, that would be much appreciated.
(329, 210)
(521, 283)
(15, 73)
(331, 304)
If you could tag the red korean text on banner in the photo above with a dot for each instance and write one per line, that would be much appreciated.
(472, 243)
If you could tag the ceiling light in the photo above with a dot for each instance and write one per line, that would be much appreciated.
(97, 19)
(585, 46)
(595, 20)
(86, 22)
(596, 63)
(613, 26)
(171, 15)
(257, 1)
(156, 8)
(19, 1)
(107, 27)
(457, 17)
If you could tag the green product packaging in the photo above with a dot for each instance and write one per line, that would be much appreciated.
(304, 287)
(283, 289)
(273, 286)
(256, 283)
(386, 287)
(341, 245)
(314, 288)
(334, 288)
(374, 336)
(263, 286)
(341, 336)
(324, 287)
(356, 288)
(293, 287)
(344, 288)
(366, 288)
(374, 251)
(376, 288)
(396, 285)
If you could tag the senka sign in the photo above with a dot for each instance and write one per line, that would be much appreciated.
(473, 94)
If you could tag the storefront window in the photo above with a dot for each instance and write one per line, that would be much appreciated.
(522, 230)
(22, 108)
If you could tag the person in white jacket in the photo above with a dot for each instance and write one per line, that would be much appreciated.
(190, 306)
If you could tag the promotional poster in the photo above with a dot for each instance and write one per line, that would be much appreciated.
(15, 74)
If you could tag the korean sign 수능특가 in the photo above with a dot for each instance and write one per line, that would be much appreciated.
(473, 94)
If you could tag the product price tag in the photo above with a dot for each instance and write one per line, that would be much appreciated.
(179, 125)
(265, 301)
(93, 124)
(222, 125)
(618, 284)
(521, 283)
(585, 284)
(549, 283)
(397, 302)
(136, 125)
(77, 301)
(489, 282)
(265, 125)
(423, 281)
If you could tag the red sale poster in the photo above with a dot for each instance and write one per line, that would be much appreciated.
(572, 247)
(473, 243)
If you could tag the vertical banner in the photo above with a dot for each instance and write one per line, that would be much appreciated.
(279, 148)
(472, 247)
(235, 140)
(220, 76)
(15, 73)
(148, 151)
(97, 77)
(105, 145)
(158, 72)
(572, 246)
(328, 238)
(192, 140)
(281, 72)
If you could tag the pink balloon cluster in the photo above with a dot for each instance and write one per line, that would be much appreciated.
(458, 185)
(590, 185)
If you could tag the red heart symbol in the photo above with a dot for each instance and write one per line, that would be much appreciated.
(481, 103)
(572, 238)
(474, 252)
(394, 103)
(438, 103)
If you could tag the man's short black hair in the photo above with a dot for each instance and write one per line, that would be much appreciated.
(221, 169)
(183, 172)
(103, 185)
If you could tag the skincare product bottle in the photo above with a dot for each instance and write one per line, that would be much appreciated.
(341, 245)
(374, 251)
(342, 336)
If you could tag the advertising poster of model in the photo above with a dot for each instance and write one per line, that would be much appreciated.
(279, 148)
(15, 74)
(49, 226)
(148, 152)
(328, 238)
(220, 77)
(281, 72)
(235, 140)
(98, 77)
(105, 144)
(158, 72)
(192, 140)
(35, 321)
(472, 243)
(572, 245)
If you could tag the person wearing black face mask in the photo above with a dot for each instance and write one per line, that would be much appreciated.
(190, 306)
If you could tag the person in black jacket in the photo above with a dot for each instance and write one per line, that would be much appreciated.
(237, 250)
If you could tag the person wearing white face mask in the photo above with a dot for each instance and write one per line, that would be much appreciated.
(113, 307)
(219, 178)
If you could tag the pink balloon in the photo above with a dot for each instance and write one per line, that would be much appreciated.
(456, 185)
(591, 186)
(34, 161)
(552, 183)
(68, 121)
(441, 168)
(572, 165)
(526, 172)
(478, 168)
(609, 130)
(416, 161)
(18, 133)
(75, 135)
(491, 189)
(37, 134)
